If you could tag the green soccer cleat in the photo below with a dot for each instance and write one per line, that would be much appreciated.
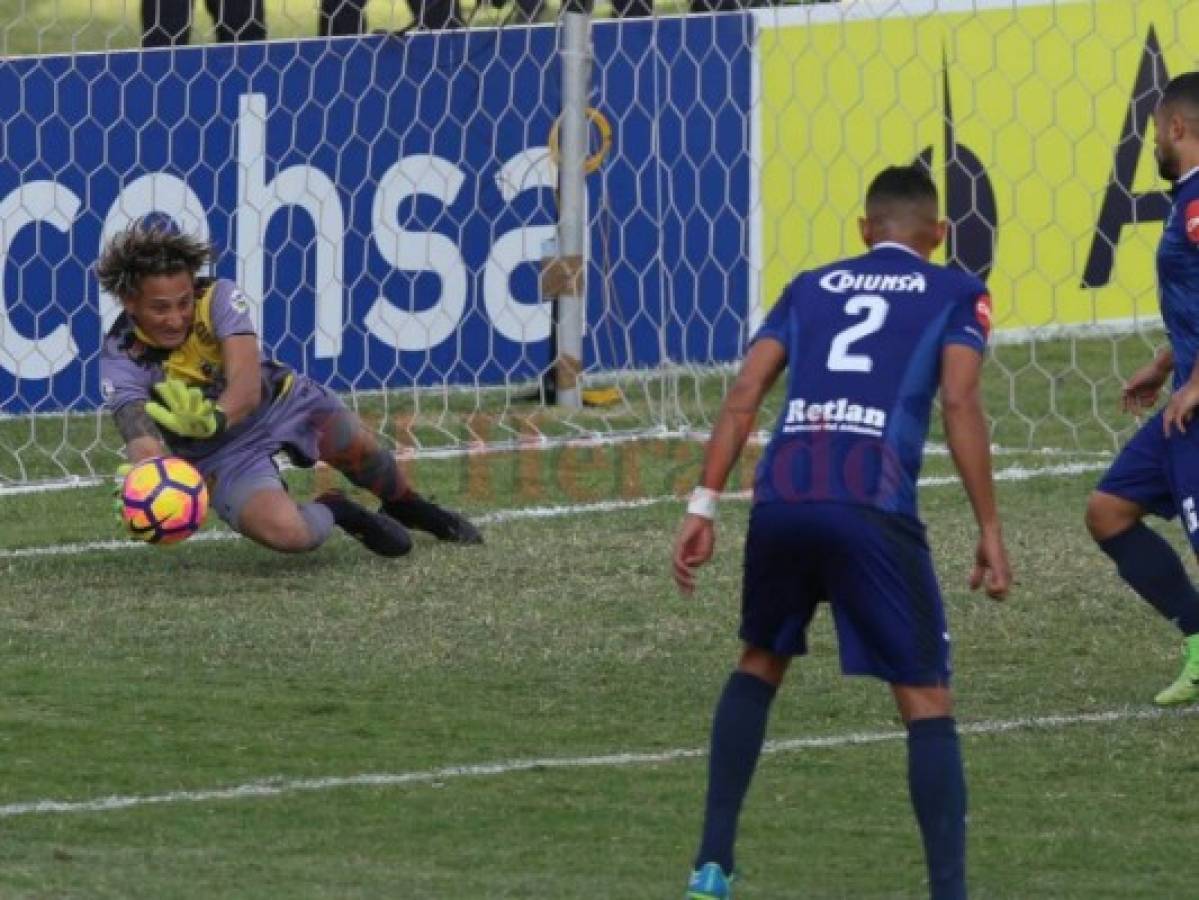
(709, 882)
(1185, 688)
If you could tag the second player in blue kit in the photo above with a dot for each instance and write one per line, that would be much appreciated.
(866, 343)
(1158, 470)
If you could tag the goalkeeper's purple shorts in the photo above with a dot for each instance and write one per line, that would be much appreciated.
(293, 424)
(1160, 474)
(875, 571)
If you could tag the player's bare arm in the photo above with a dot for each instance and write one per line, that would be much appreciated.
(243, 385)
(1182, 404)
(763, 363)
(1141, 390)
(138, 431)
(969, 444)
(697, 535)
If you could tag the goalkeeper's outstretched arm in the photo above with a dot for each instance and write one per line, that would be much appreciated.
(142, 437)
(243, 390)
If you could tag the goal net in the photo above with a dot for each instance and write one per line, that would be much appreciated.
(391, 203)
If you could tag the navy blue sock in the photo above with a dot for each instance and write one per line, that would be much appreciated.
(1151, 567)
(738, 730)
(938, 787)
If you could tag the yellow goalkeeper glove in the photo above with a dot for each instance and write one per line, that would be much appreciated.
(185, 411)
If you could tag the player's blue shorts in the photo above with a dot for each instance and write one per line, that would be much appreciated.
(1159, 473)
(873, 568)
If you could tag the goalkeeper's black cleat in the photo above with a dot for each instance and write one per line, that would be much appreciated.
(378, 533)
(444, 524)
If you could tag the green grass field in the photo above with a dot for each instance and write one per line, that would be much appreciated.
(525, 719)
(138, 673)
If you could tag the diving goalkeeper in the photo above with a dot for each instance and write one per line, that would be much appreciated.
(183, 373)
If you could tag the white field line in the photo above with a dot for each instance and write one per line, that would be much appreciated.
(279, 785)
(758, 438)
(68, 483)
(1009, 473)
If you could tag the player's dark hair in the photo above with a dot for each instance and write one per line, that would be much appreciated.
(907, 186)
(1184, 89)
(147, 248)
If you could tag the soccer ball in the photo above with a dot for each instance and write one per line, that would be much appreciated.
(163, 500)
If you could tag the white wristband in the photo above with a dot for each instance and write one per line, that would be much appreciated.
(703, 503)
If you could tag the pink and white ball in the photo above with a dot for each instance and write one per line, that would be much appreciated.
(164, 500)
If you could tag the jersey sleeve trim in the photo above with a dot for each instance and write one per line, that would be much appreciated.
(775, 336)
(962, 340)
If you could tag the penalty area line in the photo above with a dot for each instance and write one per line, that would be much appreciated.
(280, 786)
(1008, 473)
(758, 438)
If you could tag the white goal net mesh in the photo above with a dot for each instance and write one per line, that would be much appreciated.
(389, 200)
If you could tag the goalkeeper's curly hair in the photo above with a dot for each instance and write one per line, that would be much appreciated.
(149, 248)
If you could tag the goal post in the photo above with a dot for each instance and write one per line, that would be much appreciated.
(384, 201)
(572, 207)
(394, 204)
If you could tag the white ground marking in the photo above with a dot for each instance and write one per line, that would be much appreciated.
(279, 786)
(759, 438)
(1009, 473)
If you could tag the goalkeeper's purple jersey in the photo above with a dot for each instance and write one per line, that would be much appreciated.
(864, 338)
(1178, 275)
(130, 366)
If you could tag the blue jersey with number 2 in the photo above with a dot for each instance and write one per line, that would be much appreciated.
(863, 338)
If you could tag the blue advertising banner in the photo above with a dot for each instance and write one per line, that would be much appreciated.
(383, 200)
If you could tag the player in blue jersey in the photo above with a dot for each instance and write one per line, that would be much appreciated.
(866, 343)
(1158, 470)
(183, 373)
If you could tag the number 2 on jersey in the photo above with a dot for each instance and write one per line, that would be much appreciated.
(839, 357)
